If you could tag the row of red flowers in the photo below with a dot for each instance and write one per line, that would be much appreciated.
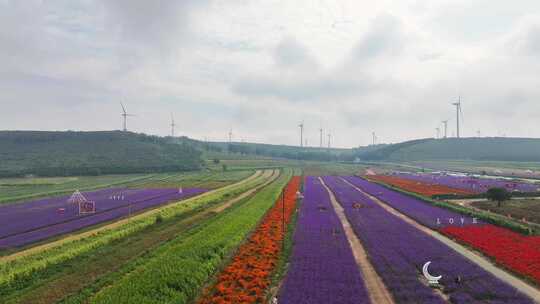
(517, 252)
(247, 277)
(416, 186)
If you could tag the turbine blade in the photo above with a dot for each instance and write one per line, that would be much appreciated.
(123, 108)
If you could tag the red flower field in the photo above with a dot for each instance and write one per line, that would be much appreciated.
(247, 277)
(517, 252)
(416, 186)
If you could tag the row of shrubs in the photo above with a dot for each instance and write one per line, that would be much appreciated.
(482, 195)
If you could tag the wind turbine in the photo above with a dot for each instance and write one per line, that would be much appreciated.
(329, 137)
(445, 123)
(320, 135)
(230, 135)
(438, 132)
(458, 111)
(301, 126)
(125, 115)
(374, 137)
(172, 125)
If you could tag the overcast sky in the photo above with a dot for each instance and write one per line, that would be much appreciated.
(261, 67)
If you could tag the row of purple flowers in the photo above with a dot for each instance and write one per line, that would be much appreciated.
(429, 215)
(33, 221)
(322, 268)
(471, 183)
(398, 251)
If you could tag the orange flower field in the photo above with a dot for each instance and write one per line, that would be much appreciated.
(247, 277)
(416, 186)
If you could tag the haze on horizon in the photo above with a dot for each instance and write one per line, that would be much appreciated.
(261, 67)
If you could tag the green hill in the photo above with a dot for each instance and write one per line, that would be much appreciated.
(91, 153)
(113, 152)
(495, 149)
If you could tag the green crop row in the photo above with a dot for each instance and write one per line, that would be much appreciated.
(179, 269)
(20, 269)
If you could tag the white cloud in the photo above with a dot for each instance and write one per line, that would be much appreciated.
(262, 66)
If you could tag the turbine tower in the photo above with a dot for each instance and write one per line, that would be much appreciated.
(458, 111)
(329, 137)
(320, 135)
(125, 115)
(438, 132)
(230, 135)
(301, 126)
(172, 125)
(445, 123)
(374, 137)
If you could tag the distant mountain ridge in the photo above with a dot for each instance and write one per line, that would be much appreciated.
(55, 153)
(489, 148)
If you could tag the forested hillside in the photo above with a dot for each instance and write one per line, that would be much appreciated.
(280, 151)
(91, 153)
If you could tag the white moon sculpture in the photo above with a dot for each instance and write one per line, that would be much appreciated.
(431, 279)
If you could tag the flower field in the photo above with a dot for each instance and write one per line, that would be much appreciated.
(471, 184)
(426, 214)
(247, 277)
(419, 187)
(40, 219)
(14, 272)
(322, 267)
(177, 271)
(398, 251)
(513, 250)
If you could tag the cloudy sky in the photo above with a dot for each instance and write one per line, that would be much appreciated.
(262, 66)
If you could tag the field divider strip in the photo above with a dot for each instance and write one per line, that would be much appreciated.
(476, 258)
(77, 236)
(378, 293)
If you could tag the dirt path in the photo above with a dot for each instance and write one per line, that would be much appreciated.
(271, 175)
(78, 236)
(378, 293)
(476, 258)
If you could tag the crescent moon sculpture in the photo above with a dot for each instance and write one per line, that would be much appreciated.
(431, 279)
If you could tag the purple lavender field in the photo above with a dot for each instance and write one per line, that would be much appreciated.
(398, 251)
(426, 214)
(322, 268)
(471, 183)
(36, 220)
